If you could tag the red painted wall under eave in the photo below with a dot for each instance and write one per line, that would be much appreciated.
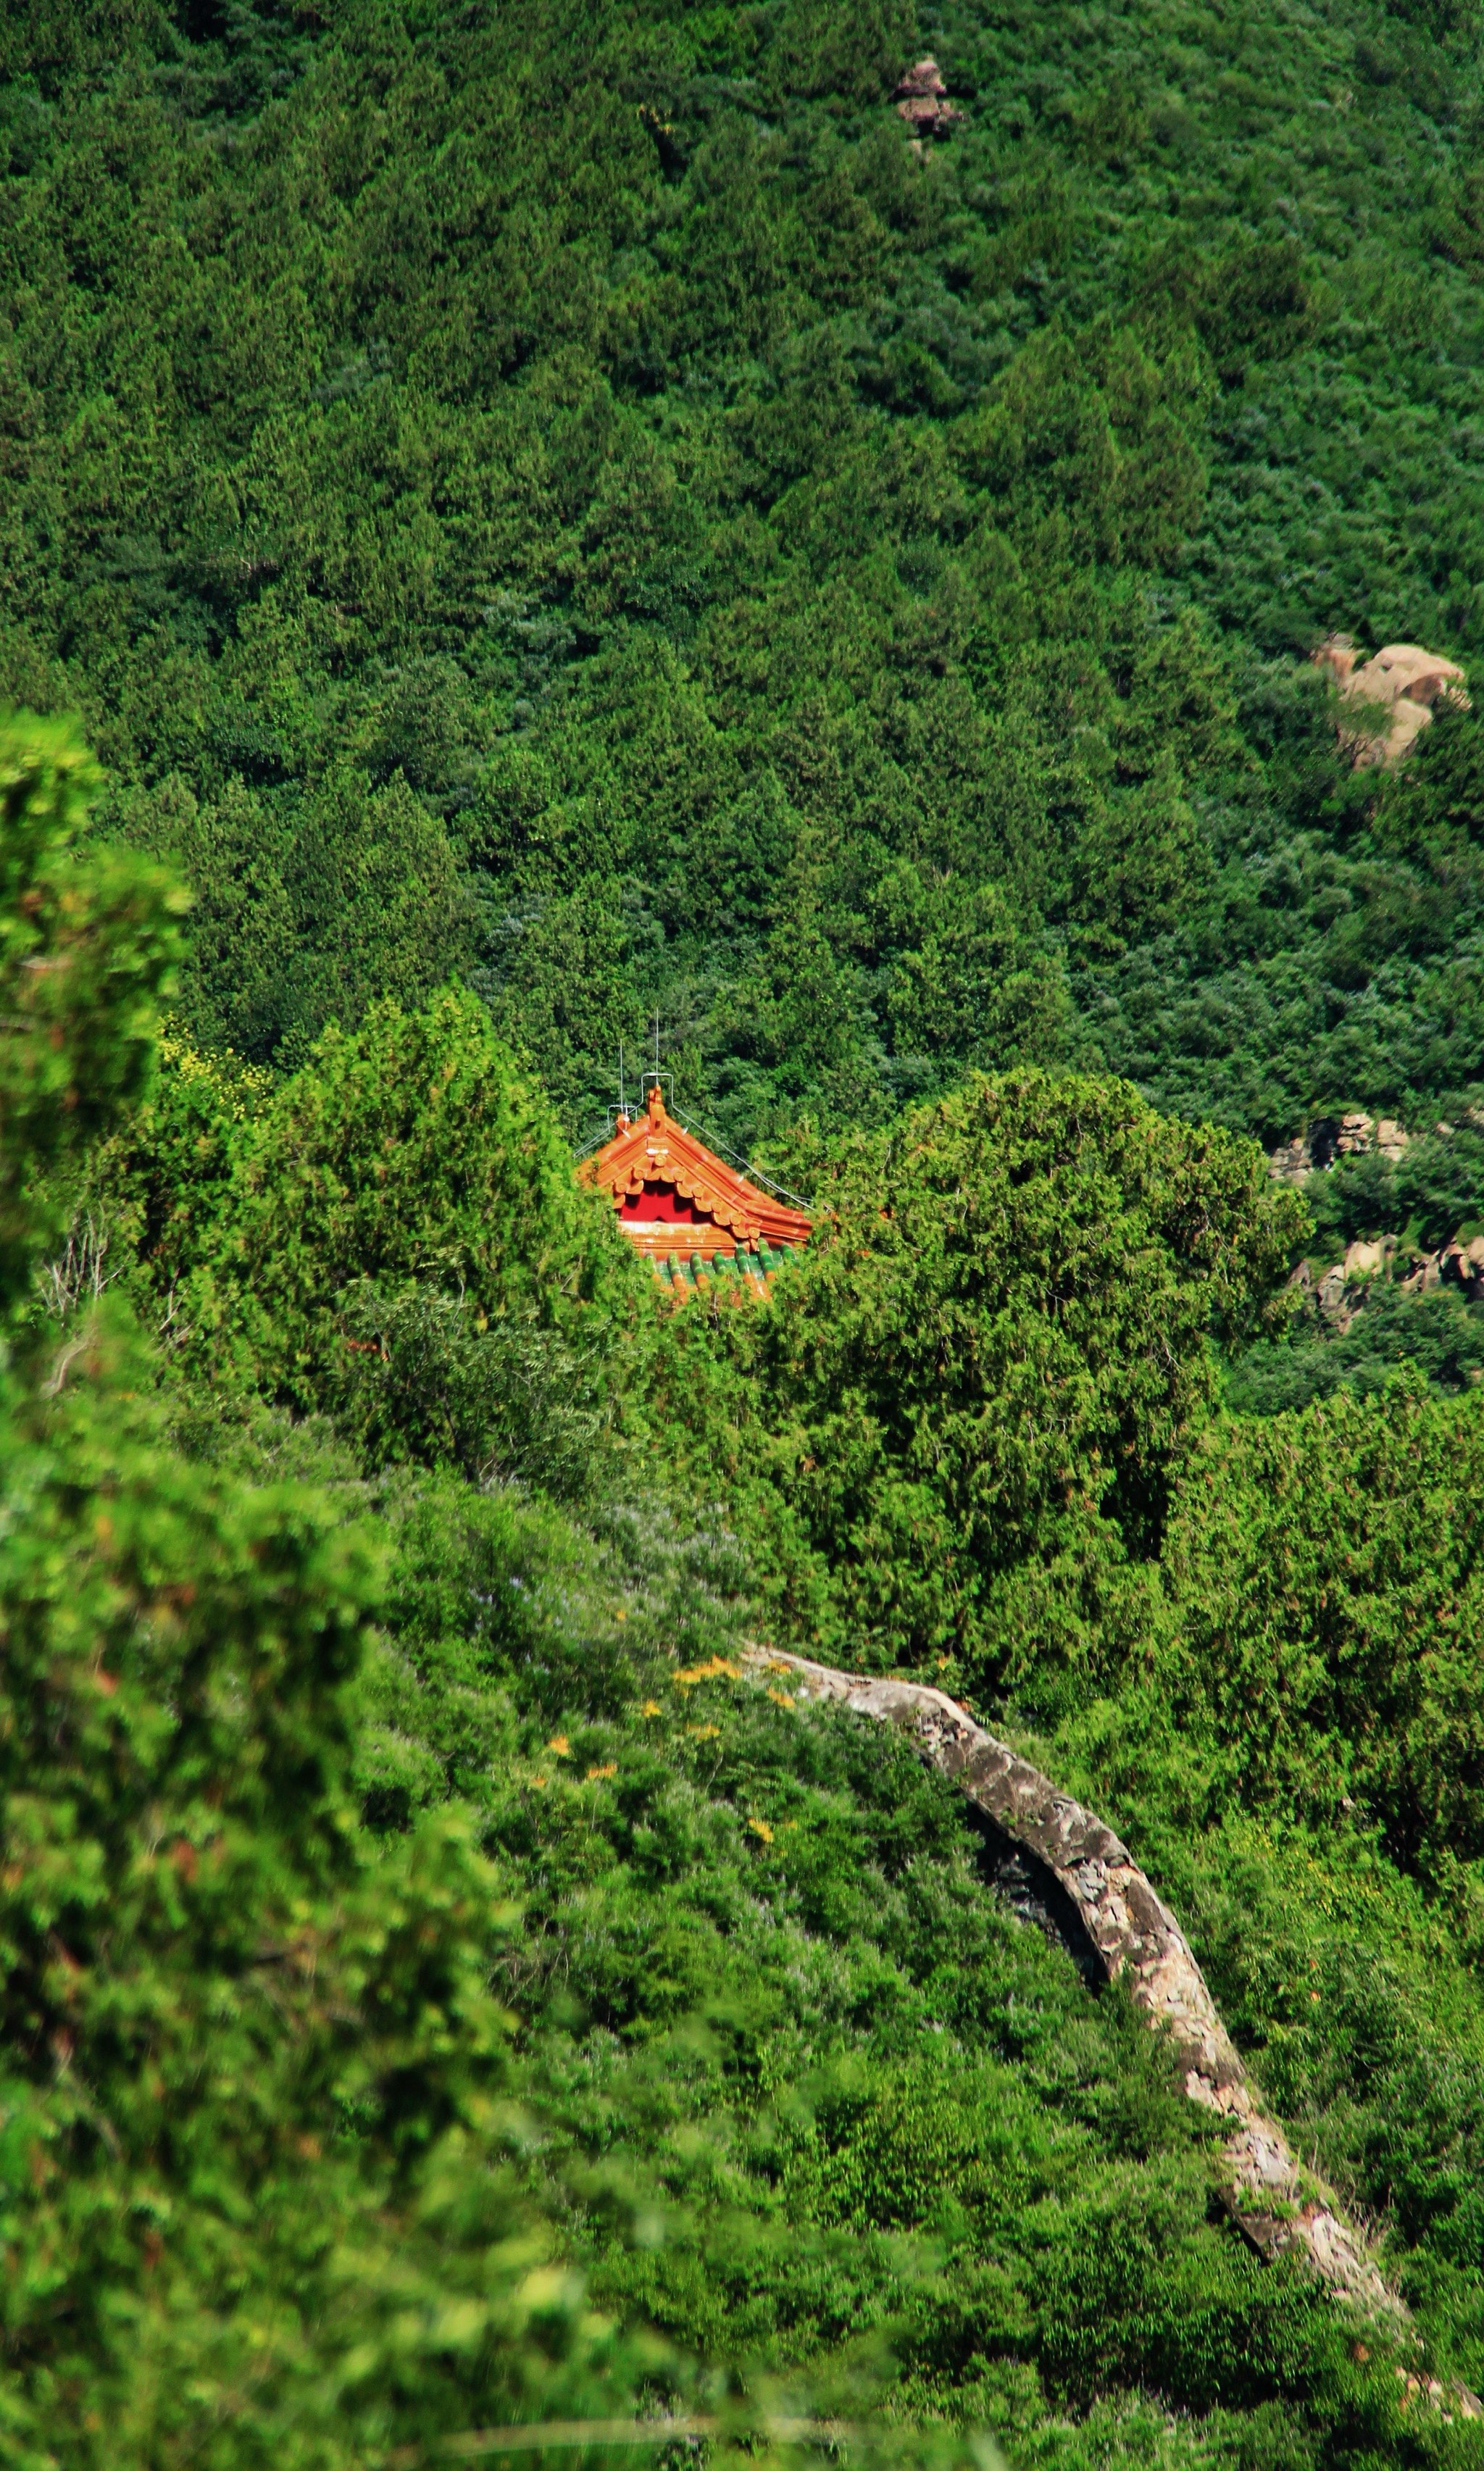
(662, 1201)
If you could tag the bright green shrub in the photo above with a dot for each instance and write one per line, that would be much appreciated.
(1323, 1575)
(415, 1149)
(161, 1186)
(424, 1376)
(405, 1242)
(258, 2200)
(394, 1237)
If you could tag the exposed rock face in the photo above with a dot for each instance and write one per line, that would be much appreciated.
(1402, 683)
(1335, 1137)
(1133, 1935)
(1453, 1265)
(1292, 1161)
(1364, 1261)
(1342, 1137)
(922, 99)
(1339, 1292)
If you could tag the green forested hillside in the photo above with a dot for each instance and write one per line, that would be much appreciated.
(444, 1994)
(573, 498)
(563, 526)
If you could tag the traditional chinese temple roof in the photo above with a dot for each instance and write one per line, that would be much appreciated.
(686, 1210)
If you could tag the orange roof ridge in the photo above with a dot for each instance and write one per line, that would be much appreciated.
(654, 1164)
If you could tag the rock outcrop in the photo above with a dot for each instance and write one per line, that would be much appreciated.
(1453, 1265)
(1342, 1290)
(1365, 1259)
(1400, 684)
(1329, 1138)
(1339, 1292)
(922, 99)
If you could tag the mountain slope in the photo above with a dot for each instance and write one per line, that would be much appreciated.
(587, 505)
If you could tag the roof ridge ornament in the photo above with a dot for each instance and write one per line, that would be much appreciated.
(680, 1205)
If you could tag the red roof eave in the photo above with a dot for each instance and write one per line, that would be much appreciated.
(657, 1150)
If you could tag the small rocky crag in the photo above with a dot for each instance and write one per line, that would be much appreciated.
(1133, 1937)
(1339, 1291)
(922, 99)
(1395, 693)
(1329, 1137)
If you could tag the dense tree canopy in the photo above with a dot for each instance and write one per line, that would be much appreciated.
(244, 2083)
(997, 1347)
(85, 953)
(570, 527)
(578, 499)
(407, 1904)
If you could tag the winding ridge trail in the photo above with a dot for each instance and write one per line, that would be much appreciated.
(1132, 1932)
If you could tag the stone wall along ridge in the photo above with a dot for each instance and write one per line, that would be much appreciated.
(1278, 2204)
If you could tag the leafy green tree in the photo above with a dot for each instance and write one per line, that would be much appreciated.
(256, 2202)
(1440, 1183)
(393, 1237)
(309, 914)
(424, 1375)
(562, 993)
(1103, 431)
(257, 2198)
(86, 952)
(794, 1021)
(1323, 1571)
(1139, 865)
(994, 1353)
(162, 1184)
(409, 1161)
(968, 987)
